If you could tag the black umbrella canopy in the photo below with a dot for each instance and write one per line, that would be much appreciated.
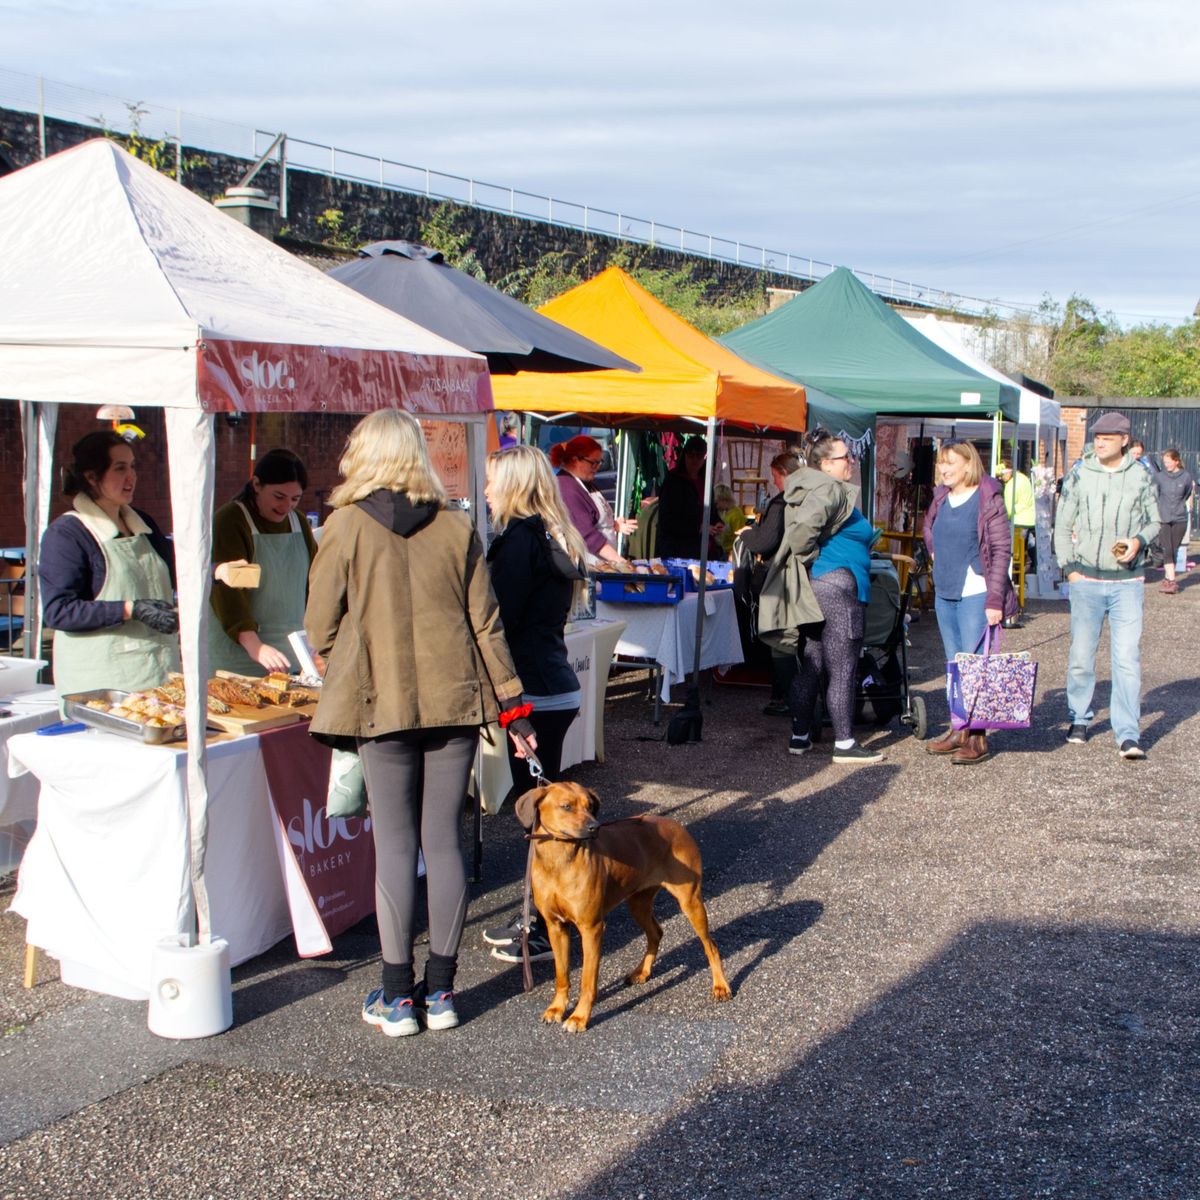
(419, 284)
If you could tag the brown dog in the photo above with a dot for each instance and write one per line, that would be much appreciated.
(582, 870)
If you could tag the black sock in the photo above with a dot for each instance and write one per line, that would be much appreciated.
(439, 972)
(398, 980)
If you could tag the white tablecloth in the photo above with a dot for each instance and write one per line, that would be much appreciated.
(667, 633)
(105, 875)
(591, 645)
(18, 797)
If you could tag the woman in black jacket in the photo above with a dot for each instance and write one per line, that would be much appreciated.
(537, 563)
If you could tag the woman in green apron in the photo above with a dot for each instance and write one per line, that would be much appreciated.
(105, 575)
(250, 632)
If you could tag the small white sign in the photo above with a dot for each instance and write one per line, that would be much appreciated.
(304, 656)
(971, 397)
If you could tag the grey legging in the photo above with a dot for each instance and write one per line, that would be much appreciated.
(834, 650)
(416, 782)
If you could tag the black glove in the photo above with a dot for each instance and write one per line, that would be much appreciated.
(522, 727)
(157, 615)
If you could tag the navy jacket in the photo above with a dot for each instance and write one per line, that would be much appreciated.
(534, 581)
(71, 572)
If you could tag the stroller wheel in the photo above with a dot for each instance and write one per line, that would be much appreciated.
(917, 717)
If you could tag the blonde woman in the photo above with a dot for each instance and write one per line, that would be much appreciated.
(969, 540)
(401, 609)
(537, 563)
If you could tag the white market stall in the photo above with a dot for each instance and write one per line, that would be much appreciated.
(118, 286)
(1039, 418)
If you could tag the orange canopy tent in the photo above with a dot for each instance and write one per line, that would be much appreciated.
(684, 374)
(685, 377)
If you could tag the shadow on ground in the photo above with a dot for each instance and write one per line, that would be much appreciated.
(1024, 1061)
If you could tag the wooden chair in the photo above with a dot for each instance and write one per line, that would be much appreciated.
(747, 471)
(910, 559)
(1018, 564)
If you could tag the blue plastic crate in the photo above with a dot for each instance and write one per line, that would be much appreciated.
(639, 589)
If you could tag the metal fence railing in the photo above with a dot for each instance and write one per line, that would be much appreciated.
(33, 94)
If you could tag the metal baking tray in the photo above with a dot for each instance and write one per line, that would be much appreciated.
(75, 705)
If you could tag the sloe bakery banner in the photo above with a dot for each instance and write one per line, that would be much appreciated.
(328, 863)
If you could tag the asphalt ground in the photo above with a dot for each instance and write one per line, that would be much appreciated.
(948, 981)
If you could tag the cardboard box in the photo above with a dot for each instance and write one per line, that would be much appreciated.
(249, 575)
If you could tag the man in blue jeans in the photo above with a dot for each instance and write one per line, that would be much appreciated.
(1107, 516)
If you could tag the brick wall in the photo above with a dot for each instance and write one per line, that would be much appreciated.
(1075, 420)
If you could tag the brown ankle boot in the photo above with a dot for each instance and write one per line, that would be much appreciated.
(948, 744)
(974, 750)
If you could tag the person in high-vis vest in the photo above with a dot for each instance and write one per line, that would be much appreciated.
(1018, 495)
(105, 571)
(249, 632)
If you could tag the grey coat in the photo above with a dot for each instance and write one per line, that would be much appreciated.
(1100, 507)
(815, 507)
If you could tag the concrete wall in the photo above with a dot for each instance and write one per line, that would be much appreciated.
(502, 243)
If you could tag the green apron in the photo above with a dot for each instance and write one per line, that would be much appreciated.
(277, 605)
(130, 656)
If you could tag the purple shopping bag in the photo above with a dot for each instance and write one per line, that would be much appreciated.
(990, 690)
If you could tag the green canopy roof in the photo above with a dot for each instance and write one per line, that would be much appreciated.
(838, 336)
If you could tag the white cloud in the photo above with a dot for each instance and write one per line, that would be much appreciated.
(920, 140)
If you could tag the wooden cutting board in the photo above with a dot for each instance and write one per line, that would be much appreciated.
(254, 720)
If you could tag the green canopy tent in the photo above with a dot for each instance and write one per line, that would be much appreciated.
(838, 336)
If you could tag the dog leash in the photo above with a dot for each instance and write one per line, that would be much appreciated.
(539, 780)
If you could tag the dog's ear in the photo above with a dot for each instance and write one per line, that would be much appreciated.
(593, 801)
(527, 808)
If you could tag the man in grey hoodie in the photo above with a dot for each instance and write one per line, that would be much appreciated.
(1107, 516)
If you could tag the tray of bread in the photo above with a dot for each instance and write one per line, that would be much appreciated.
(640, 581)
(142, 715)
(245, 704)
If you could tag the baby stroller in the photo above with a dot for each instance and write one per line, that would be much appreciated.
(883, 691)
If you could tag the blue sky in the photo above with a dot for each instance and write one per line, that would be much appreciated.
(1007, 153)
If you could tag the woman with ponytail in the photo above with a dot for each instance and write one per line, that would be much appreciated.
(577, 462)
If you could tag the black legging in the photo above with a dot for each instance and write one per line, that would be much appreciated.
(551, 729)
(417, 782)
(834, 650)
(1171, 535)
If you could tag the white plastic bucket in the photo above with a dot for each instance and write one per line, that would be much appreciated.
(191, 996)
(19, 675)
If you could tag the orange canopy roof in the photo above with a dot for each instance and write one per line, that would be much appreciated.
(684, 373)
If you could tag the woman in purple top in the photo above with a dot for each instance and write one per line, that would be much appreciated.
(577, 462)
(969, 540)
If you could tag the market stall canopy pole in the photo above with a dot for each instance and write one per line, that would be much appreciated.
(419, 284)
(702, 574)
(191, 457)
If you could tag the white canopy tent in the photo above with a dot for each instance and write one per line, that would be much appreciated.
(1039, 420)
(118, 286)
